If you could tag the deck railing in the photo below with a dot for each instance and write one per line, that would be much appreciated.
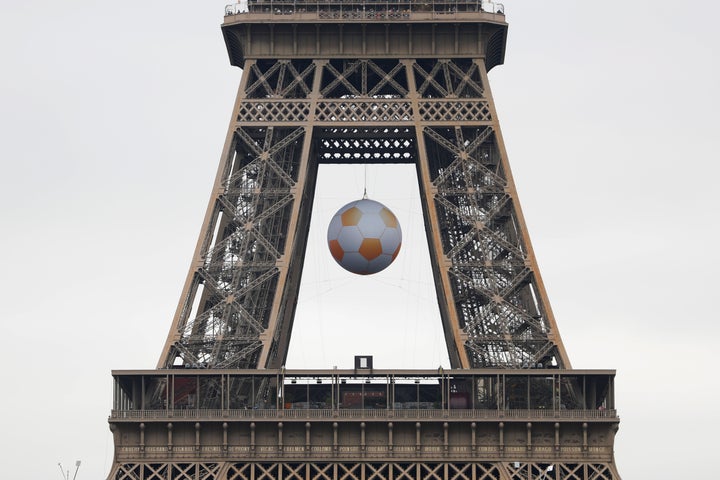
(356, 451)
(366, 9)
(328, 414)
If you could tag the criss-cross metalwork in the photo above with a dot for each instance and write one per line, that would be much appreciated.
(363, 81)
(432, 112)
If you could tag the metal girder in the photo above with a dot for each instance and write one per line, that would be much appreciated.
(362, 82)
(370, 470)
(495, 314)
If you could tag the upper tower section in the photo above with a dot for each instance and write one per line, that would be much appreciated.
(365, 29)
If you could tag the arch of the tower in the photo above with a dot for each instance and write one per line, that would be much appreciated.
(238, 303)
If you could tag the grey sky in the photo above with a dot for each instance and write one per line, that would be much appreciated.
(113, 117)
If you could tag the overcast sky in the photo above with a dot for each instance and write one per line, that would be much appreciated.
(113, 116)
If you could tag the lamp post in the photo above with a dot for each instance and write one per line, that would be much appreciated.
(66, 473)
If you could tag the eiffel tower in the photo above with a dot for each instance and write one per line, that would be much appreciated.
(363, 81)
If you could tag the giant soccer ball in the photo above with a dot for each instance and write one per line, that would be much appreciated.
(364, 237)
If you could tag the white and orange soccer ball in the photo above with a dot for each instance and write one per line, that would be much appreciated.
(364, 237)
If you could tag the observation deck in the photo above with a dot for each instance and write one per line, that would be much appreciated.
(364, 414)
(365, 29)
(408, 10)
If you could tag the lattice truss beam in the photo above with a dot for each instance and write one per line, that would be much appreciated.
(361, 111)
(165, 471)
(235, 283)
(365, 471)
(498, 301)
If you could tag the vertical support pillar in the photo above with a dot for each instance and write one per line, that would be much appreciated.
(410, 42)
(390, 436)
(340, 39)
(186, 297)
(142, 437)
(445, 436)
(362, 436)
(280, 436)
(252, 436)
(456, 47)
(529, 436)
(432, 39)
(169, 437)
(225, 436)
(417, 436)
(295, 43)
(286, 290)
(441, 264)
(317, 39)
(553, 335)
(473, 439)
(197, 436)
(364, 38)
(307, 436)
(335, 436)
(501, 431)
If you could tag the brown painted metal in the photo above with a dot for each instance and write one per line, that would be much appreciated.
(355, 96)
(360, 82)
(388, 424)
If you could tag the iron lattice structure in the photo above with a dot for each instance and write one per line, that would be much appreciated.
(363, 81)
(354, 471)
(294, 113)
